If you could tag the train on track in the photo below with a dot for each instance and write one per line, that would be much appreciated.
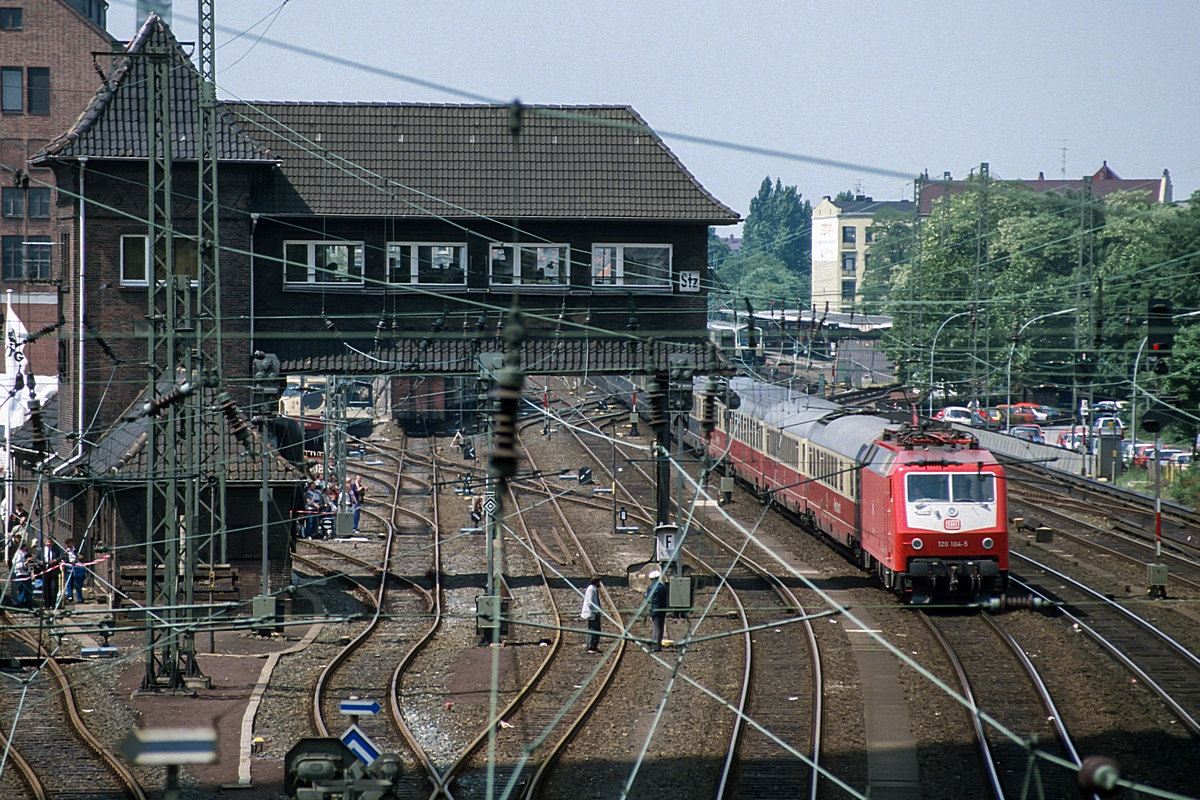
(920, 505)
(304, 400)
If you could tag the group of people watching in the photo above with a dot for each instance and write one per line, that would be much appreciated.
(322, 501)
(42, 567)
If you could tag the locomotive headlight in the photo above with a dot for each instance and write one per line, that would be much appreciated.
(917, 544)
(987, 543)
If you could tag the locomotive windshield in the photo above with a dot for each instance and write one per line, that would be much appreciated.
(926, 486)
(974, 487)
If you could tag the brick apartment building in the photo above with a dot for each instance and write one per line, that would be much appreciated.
(47, 76)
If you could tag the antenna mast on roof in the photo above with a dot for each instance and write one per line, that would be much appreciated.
(1064, 158)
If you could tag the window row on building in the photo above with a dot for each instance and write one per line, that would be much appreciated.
(25, 90)
(19, 202)
(443, 264)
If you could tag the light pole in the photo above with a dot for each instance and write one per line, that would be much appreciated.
(1011, 348)
(933, 349)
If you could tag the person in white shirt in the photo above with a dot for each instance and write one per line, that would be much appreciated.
(22, 583)
(591, 612)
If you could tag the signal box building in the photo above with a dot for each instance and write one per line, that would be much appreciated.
(379, 239)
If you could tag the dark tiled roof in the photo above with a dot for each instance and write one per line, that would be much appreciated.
(538, 356)
(120, 454)
(114, 123)
(595, 162)
(22, 437)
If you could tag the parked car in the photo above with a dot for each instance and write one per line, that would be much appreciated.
(1110, 406)
(1030, 433)
(991, 419)
(1142, 452)
(1016, 415)
(1181, 460)
(1109, 426)
(959, 414)
(1040, 414)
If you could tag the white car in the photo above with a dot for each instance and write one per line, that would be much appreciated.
(959, 414)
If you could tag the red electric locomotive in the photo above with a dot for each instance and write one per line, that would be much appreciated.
(925, 508)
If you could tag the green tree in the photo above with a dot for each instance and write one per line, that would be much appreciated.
(844, 197)
(893, 236)
(765, 279)
(718, 249)
(780, 225)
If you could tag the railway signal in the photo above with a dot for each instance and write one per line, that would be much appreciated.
(1160, 329)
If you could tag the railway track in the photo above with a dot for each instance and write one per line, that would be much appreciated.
(1137, 551)
(52, 754)
(367, 666)
(1158, 661)
(1123, 508)
(541, 719)
(998, 679)
(757, 765)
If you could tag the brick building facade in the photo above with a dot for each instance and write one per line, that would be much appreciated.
(47, 76)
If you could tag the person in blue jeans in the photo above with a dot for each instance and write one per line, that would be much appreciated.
(658, 596)
(352, 502)
(76, 574)
(22, 582)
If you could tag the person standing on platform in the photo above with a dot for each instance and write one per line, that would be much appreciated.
(659, 599)
(17, 521)
(591, 612)
(360, 494)
(75, 574)
(312, 508)
(51, 569)
(22, 578)
(350, 501)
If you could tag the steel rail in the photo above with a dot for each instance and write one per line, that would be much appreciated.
(786, 596)
(1185, 562)
(78, 728)
(377, 599)
(985, 750)
(1192, 721)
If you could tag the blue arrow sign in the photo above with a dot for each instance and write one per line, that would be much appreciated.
(360, 745)
(170, 746)
(360, 708)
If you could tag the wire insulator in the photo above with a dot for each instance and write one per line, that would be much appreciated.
(1099, 775)
(40, 443)
(176, 395)
(708, 414)
(237, 426)
(502, 461)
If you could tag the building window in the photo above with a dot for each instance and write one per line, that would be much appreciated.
(39, 202)
(12, 202)
(37, 258)
(322, 262)
(417, 262)
(849, 234)
(631, 265)
(135, 255)
(39, 90)
(538, 265)
(25, 258)
(10, 19)
(12, 258)
(849, 263)
(870, 234)
(11, 95)
(849, 290)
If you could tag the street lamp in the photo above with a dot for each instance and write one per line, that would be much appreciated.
(1011, 348)
(933, 349)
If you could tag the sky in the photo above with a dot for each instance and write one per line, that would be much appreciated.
(898, 87)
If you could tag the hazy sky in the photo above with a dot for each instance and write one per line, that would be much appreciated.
(895, 86)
